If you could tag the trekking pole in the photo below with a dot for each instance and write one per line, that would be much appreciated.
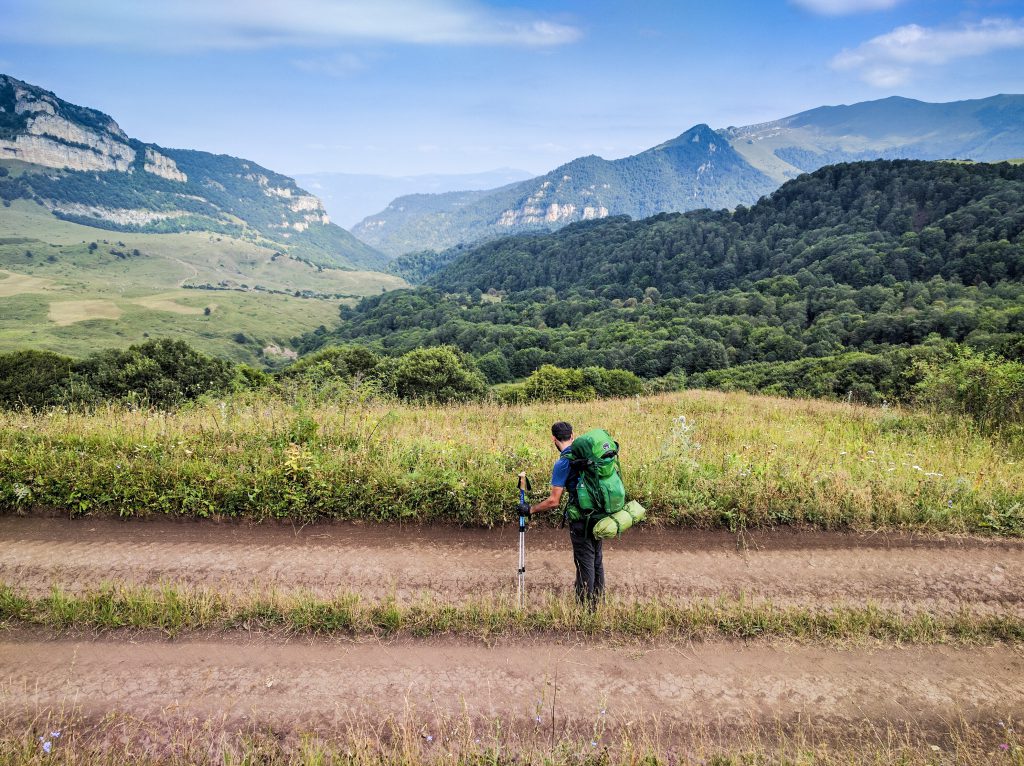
(524, 487)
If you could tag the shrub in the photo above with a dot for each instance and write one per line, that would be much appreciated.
(34, 379)
(337, 361)
(437, 375)
(550, 383)
(162, 373)
(984, 387)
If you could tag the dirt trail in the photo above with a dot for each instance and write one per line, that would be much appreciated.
(897, 570)
(335, 683)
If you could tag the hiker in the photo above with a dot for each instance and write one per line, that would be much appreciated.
(586, 549)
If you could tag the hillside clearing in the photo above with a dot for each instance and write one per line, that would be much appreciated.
(63, 313)
(15, 284)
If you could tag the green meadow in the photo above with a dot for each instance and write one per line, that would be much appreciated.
(74, 289)
(695, 459)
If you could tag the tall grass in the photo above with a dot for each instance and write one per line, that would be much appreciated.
(176, 610)
(447, 740)
(734, 461)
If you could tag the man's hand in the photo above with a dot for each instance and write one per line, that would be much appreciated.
(524, 508)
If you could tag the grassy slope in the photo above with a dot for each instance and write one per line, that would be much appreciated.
(736, 461)
(145, 291)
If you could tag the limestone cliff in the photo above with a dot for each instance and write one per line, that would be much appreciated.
(81, 166)
(55, 134)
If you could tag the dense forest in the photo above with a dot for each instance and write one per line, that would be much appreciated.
(865, 258)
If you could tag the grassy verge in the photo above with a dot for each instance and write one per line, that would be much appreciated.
(697, 459)
(178, 610)
(432, 741)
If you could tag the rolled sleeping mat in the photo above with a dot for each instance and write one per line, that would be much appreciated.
(617, 523)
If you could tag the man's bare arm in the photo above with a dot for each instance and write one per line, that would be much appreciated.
(549, 503)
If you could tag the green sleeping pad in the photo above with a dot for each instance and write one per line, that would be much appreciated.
(617, 523)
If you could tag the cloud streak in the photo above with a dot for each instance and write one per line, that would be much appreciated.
(892, 59)
(189, 25)
(845, 7)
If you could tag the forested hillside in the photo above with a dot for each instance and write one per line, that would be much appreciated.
(877, 257)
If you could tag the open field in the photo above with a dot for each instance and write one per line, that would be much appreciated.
(694, 459)
(140, 279)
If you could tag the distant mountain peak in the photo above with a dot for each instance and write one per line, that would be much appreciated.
(702, 167)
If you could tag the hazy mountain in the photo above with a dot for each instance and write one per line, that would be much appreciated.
(79, 164)
(705, 168)
(697, 169)
(985, 130)
(350, 197)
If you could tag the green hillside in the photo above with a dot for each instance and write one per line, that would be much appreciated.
(73, 289)
(869, 259)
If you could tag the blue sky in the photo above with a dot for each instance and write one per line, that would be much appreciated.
(402, 87)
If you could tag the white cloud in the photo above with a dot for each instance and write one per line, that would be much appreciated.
(232, 24)
(337, 65)
(845, 7)
(891, 59)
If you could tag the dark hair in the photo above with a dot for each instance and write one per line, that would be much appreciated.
(561, 431)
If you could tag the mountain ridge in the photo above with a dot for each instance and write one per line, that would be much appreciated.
(754, 160)
(78, 163)
(698, 166)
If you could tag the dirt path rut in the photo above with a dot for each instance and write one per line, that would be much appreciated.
(334, 683)
(894, 570)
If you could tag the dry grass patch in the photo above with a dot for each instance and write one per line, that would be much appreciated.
(166, 302)
(64, 313)
(12, 284)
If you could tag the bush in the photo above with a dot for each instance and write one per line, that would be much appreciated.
(345, 362)
(436, 375)
(984, 387)
(550, 384)
(161, 373)
(34, 379)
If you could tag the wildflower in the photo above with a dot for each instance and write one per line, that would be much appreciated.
(54, 735)
(949, 503)
(430, 738)
(538, 719)
(603, 712)
(1004, 746)
(593, 743)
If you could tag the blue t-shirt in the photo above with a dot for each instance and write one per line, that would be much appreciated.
(562, 474)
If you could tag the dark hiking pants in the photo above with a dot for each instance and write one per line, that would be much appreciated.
(586, 555)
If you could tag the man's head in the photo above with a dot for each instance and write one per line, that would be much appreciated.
(561, 432)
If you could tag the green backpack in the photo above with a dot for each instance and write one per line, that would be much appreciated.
(599, 493)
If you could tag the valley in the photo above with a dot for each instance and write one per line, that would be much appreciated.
(74, 289)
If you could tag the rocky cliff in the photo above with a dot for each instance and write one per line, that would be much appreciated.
(84, 168)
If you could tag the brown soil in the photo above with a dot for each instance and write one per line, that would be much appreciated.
(332, 684)
(665, 688)
(807, 568)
